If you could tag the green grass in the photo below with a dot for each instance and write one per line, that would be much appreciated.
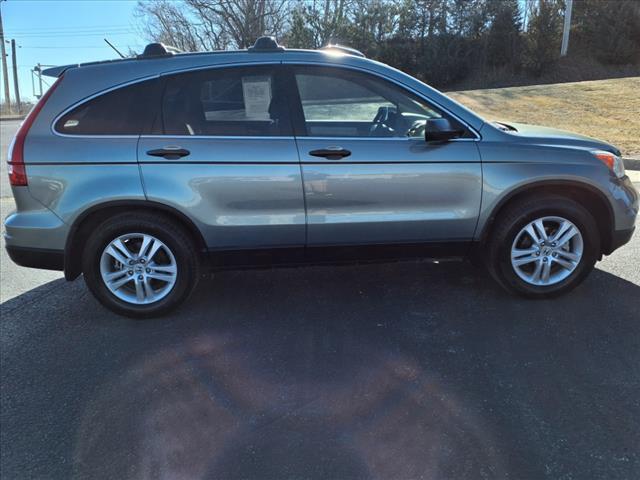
(604, 109)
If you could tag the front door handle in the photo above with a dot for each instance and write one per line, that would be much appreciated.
(331, 153)
(170, 153)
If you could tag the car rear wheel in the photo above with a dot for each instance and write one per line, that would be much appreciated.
(543, 247)
(140, 264)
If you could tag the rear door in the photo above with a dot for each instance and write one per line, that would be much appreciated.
(369, 176)
(223, 153)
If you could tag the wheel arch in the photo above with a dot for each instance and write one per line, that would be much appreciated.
(585, 194)
(93, 216)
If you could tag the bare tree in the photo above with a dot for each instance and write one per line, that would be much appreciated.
(371, 22)
(172, 23)
(193, 25)
(243, 20)
(326, 19)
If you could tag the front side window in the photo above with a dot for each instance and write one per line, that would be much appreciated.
(124, 111)
(229, 101)
(338, 102)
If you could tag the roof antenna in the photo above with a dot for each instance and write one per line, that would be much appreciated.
(111, 45)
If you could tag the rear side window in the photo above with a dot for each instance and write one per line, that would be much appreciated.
(241, 101)
(125, 111)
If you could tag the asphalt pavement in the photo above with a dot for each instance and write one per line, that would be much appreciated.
(408, 370)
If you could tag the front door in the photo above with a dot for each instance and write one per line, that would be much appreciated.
(224, 154)
(369, 176)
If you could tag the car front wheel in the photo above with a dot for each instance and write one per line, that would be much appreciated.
(543, 247)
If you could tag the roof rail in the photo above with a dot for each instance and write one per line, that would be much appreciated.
(153, 50)
(265, 44)
(343, 49)
(158, 50)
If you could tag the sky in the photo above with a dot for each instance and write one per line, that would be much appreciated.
(55, 32)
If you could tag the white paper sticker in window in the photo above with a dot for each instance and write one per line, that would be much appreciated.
(257, 97)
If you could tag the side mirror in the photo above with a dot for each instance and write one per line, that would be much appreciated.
(440, 130)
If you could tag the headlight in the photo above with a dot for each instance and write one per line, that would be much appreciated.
(612, 161)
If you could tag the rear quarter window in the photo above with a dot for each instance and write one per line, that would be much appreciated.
(124, 111)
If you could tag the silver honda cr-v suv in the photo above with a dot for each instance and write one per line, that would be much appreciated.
(134, 172)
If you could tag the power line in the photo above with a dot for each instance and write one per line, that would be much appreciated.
(29, 31)
(70, 28)
(99, 33)
(64, 32)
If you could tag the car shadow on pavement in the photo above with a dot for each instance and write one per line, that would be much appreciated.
(377, 371)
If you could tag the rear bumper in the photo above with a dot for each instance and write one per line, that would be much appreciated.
(37, 257)
(34, 235)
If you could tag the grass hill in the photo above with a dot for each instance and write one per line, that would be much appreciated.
(605, 109)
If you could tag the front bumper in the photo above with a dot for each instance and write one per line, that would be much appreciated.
(619, 238)
(625, 201)
(37, 257)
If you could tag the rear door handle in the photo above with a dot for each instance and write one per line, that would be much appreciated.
(331, 153)
(170, 152)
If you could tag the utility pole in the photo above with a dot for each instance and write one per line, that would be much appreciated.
(5, 73)
(567, 27)
(16, 88)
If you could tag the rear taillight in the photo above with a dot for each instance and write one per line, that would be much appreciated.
(17, 169)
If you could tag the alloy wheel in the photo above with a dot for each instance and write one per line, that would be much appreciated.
(547, 250)
(138, 268)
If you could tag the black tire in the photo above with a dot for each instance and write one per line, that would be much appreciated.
(517, 216)
(164, 229)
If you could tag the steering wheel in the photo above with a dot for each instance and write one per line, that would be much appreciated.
(381, 127)
(417, 129)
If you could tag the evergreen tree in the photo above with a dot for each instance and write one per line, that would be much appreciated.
(503, 40)
(299, 35)
(607, 30)
(543, 36)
